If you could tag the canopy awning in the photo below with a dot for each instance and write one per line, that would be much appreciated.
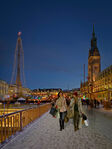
(21, 99)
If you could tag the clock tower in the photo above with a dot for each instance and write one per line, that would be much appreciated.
(94, 66)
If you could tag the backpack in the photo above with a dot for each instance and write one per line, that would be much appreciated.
(76, 107)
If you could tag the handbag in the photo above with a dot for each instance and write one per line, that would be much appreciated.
(66, 119)
(53, 111)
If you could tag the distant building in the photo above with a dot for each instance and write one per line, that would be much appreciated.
(14, 90)
(46, 94)
(102, 87)
(51, 91)
(46, 90)
(3, 88)
(72, 90)
(99, 84)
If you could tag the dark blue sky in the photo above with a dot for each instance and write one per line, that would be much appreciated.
(56, 38)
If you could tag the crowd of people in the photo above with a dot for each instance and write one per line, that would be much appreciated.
(92, 103)
(69, 109)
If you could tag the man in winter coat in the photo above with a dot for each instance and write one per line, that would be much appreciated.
(77, 111)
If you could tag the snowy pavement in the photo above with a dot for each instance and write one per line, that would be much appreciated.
(44, 134)
(105, 111)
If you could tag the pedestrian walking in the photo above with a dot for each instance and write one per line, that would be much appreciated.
(70, 109)
(87, 102)
(77, 111)
(95, 103)
(91, 103)
(62, 107)
(98, 103)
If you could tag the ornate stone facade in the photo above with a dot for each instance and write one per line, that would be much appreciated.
(3, 88)
(99, 84)
(13, 90)
(102, 87)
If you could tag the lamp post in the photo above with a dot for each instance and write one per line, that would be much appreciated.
(108, 92)
(89, 89)
(3, 99)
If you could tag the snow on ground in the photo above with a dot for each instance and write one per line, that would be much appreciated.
(44, 134)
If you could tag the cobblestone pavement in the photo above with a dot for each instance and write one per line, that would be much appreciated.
(44, 134)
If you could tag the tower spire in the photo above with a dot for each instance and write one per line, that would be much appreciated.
(93, 31)
(93, 59)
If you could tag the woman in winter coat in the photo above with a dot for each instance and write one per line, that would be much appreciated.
(62, 107)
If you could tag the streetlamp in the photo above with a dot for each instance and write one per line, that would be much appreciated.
(3, 99)
(89, 89)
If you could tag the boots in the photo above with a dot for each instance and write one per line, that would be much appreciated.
(62, 124)
(60, 121)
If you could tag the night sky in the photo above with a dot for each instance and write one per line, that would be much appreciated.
(56, 39)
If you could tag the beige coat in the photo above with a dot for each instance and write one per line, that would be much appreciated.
(80, 112)
(79, 105)
(61, 104)
(71, 110)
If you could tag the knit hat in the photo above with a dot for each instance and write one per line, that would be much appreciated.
(75, 93)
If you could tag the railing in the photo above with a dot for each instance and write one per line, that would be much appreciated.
(14, 122)
(7, 111)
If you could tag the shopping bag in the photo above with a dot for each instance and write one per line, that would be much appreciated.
(86, 123)
(57, 114)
